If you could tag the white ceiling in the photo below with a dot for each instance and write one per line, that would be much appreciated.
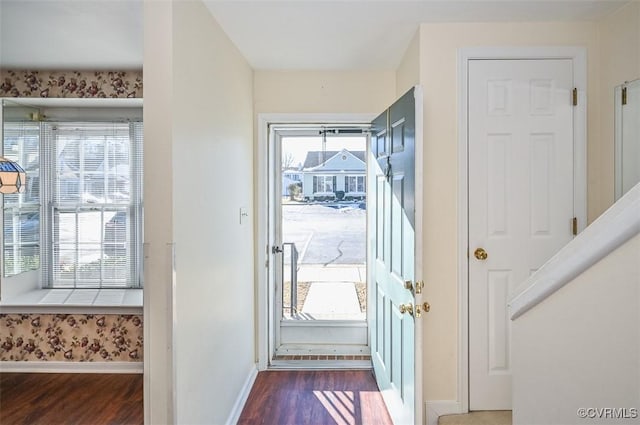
(364, 34)
(71, 34)
(300, 34)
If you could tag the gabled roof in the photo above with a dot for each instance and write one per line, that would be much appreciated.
(315, 158)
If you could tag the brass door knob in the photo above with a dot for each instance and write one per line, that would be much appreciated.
(426, 307)
(480, 254)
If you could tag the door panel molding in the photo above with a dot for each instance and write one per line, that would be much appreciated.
(578, 56)
(396, 335)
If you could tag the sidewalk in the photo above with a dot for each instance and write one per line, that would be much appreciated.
(332, 301)
(335, 273)
(332, 295)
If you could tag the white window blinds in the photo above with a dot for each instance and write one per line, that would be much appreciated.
(79, 219)
(94, 213)
(21, 211)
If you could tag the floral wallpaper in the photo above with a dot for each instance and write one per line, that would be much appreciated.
(94, 84)
(71, 337)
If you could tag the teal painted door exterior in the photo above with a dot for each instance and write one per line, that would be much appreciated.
(392, 254)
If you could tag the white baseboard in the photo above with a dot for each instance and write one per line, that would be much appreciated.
(437, 408)
(71, 367)
(242, 397)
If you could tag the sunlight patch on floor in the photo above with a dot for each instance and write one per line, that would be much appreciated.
(339, 404)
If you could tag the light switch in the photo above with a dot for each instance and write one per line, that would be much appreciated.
(244, 215)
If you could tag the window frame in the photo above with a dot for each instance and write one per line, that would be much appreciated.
(326, 179)
(360, 181)
(134, 208)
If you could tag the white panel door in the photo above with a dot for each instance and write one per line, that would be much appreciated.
(392, 228)
(630, 138)
(520, 201)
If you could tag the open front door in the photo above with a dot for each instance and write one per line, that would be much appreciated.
(395, 290)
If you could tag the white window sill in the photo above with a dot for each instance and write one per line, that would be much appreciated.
(77, 301)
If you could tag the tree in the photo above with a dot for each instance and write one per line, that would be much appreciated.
(287, 160)
(294, 190)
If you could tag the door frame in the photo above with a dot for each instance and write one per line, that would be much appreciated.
(348, 336)
(578, 56)
(265, 337)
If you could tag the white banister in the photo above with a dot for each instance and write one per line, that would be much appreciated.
(613, 228)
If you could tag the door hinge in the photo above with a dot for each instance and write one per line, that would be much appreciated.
(574, 226)
(624, 95)
(575, 96)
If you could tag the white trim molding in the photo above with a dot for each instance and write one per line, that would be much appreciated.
(70, 367)
(419, 249)
(579, 57)
(436, 408)
(236, 411)
(612, 229)
(58, 301)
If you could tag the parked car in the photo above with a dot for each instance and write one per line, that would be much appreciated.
(29, 229)
(115, 235)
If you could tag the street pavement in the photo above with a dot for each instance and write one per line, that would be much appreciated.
(331, 244)
(326, 234)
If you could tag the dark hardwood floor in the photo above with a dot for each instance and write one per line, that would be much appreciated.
(53, 399)
(315, 398)
(277, 398)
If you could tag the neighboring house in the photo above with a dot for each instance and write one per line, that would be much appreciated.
(329, 175)
(290, 176)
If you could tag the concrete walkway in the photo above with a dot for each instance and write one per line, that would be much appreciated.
(332, 295)
(332, 301)
(337, 273)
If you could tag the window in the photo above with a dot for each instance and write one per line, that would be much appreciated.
(323, 184)
(354, 184)
(21, 212)
(86, 209)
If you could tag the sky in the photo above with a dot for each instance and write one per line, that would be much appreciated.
(299, 146)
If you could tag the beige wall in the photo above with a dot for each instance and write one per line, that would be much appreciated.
(619, 45)
(212, 180)
(579, 348)
(323, 91)
(408, 72)
(439, 44)
(198, 173)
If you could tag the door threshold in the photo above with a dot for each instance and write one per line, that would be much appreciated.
(333, 351)
(324, 357)
(320, 364)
